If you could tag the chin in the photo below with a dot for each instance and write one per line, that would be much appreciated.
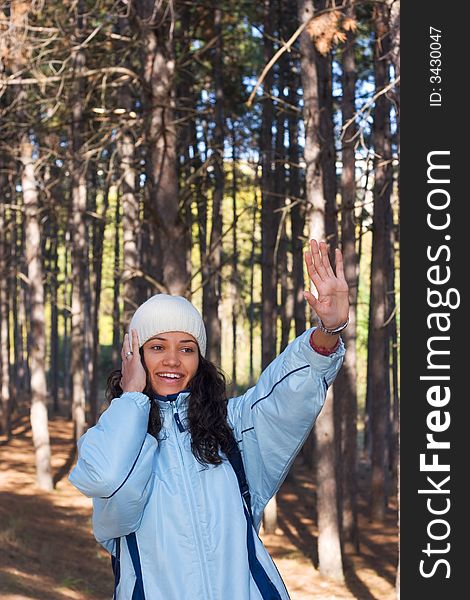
(165, 389)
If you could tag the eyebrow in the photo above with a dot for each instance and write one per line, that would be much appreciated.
(165, 340)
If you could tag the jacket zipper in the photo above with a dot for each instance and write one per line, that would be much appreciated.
(189, 494)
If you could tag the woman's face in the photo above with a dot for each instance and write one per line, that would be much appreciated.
(172, 359)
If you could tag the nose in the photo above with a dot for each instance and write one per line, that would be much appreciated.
(171, 357)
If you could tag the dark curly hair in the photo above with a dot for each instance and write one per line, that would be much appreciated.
(207, 410)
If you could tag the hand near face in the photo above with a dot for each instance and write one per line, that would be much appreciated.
(133, 376)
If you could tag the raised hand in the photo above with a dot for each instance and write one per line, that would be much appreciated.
(332, 303)
(133, 377)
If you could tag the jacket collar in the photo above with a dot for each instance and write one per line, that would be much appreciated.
(165, 400)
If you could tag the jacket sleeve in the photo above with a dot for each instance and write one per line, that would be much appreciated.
(115, 466)
(272, 420)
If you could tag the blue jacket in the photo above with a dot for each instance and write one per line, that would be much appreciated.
(180, 529)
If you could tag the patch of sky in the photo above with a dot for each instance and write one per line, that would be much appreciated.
(249, 81)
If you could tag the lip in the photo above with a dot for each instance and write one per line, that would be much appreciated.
(170, 381)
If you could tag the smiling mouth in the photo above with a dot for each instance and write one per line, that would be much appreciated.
(170, 378)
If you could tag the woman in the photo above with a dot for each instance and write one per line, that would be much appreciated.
(166, 500)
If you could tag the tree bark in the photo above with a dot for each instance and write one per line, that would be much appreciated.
(394, 28)
(345, 382)
(328, 170)
(15, 295)
(36, 330)
(235, 280)
(5, 404)
(394, 363)
(378, 364)
(202, 224)
(286, 308)
(118, 334)
(88, 299)
(54, 335)
(270, 223)
(329, 548)
(130, 200)
(251, 380)
(79, 257)
(297, 212)
(98, 244)
(214, 257)
(186, 114)
(328, 150)
(269, 218)
(67, 322)
(154, 23)
(39, 419)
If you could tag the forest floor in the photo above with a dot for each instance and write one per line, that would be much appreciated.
(48, 551)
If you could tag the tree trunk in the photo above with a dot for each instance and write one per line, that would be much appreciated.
(235, 281)
(297, 212)
(270, 222)
(394, 27)
(15, 291)
(168, 237)
(79, 257)
(88, 300)
(378, 364)
(214, 258)
(251, 379)
(186, 114)
(328, 170)
(39, 419)
(118, 336)
(67, 318)
(54, 335)
(394, 366)
(280, 186)
(329, 548)
(24, 316)
(5, 404)
(50, 245)
(202, 223)
(328, 150)
(287, 292)
(269, 218)
(345, 382)
(98, 244)
(130, 200)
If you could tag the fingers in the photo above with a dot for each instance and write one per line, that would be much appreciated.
(326, 260)
(312, 272)
(130, 346)
(339, 265)
(135, 342)
(317, 259)
(321, 261)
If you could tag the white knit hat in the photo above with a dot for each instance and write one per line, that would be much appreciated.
(162, 313)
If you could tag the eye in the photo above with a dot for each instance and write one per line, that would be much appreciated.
(188, 349)
(156, 347)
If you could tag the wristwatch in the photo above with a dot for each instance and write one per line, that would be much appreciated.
(335, 330)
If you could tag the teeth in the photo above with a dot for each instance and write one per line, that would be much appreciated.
(170, 375)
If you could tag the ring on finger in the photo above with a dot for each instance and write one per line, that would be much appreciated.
(128, 353)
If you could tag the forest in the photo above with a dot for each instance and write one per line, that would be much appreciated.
(194, 147)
